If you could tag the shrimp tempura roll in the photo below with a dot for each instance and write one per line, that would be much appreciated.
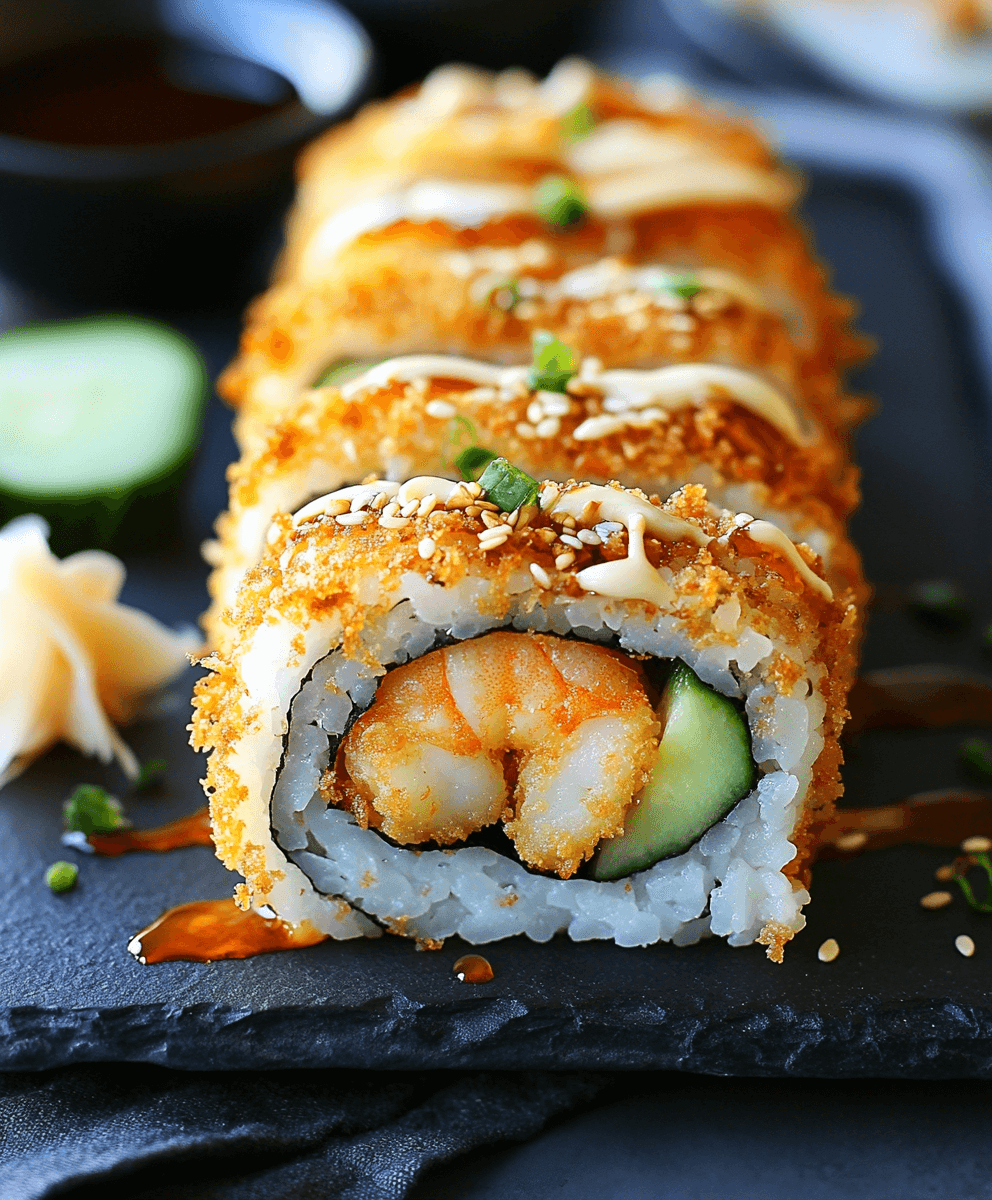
(741, 434)
(460, 227)
(501, 707)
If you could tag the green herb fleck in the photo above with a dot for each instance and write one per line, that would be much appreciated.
(460, 429)
(149, 773)
(505, 296)
(62, 876)
(473, 461)
(560, 201)
(90, 809)
(554, 363)
(508, 486)
(961, 866)
(344, 370)
(684, 286)
(578, 122)
(976, 758)
(939, 603)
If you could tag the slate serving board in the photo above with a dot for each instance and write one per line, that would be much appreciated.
(899, 1001)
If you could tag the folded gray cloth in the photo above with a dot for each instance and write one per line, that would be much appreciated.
(298, 1135)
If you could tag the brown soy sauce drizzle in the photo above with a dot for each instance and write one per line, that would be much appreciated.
(211, 930)
(191, 830)
(914, 697)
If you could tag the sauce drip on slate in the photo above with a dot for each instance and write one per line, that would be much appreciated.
(941, 818)
(919, 697)
(120, 92)
(209, 930)
(193, 830)
(473, 968)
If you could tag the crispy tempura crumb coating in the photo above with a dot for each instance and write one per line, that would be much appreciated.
(321, 568)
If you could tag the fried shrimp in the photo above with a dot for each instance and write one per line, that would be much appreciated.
(554, 737)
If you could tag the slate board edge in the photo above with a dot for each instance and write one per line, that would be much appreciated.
(500, 1033)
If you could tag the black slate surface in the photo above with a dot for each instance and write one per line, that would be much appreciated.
(900, 1001)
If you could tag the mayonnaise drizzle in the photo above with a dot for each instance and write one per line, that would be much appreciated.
(624, 391)
(767, 534)
(625, 144)
(630, 578)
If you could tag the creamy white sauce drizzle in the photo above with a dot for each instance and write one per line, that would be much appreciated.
(612, 504)
(697, 181)
(626, 144)
(630, 578)
(609, 276)
(767, 534)
(629, 397)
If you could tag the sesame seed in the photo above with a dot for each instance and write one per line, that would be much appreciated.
(352, 518)
(459, 499)
(944, 874)
(535, 412)
(501, 530)
(976, 845)
(549, 427)
(472, 510)
(427, 505)
(409, 508)
(541, 576)
(547, 535)
(489, 520)
(569, 522)
(440, 409)
(474, 488)
(391, 509)
(488, 506)
(851, 841)
(569, 540)
(492, 543)
(378, 502)
(525, 431)
(394, 522)
(589, 538)
(336, 507)
(549, 495)
(564, 560)
(964, 945)
(525, 516)
(361, 499)
(828, 951)
(426, 547)
(936, 900)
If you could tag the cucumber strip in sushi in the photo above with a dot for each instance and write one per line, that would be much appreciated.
(439, 704)
(94, 412)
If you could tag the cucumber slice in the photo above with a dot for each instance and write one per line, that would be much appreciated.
(96, 407)
(345, 370)
(704, 768)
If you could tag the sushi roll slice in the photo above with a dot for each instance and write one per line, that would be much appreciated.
(742, 435)
(650, 198)
(500, 707)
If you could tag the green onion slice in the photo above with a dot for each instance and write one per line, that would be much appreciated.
(960, 867)
(91, 809)
(473, 461)
(508, 486)
(683, 285)
(61, 876)
(505, 296)
(578, 122)
(344, 370)
(554, 363)
(560, 201)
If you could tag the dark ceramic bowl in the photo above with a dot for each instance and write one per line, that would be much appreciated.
(177, 221)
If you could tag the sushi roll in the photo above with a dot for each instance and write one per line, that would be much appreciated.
(506, 707)
(439, 249)
(743, 436)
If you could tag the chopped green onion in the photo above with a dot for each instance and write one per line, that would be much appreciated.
(61, 876)
(91, 809)
(554, 363)
(976, 757)
(684, 286)
(578, 122)
(343, 370)
(149, 773)
(508, 486)
(961, 865)
(473, 461)
(505, 296)
(939, 603)
(560, 201)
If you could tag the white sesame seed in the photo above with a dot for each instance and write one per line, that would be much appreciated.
(569, 540)
(391, 509)
(936, 900)
(527, 514)
(851, 841)
(964, 945)
(488, 506)
(394, 522)
(474, 488)
(535, 412)
(409, 508)
(492, 543)
(525, 431)
(426, 547)
(440, 409)
(564, 560)
(489, 520)
(427, 505)
(540, 575)
(547, 428)
(378, 502)
(944, 874)
(549, 495)
(352, 518)
(472, 510)
(589, 538)
(336, 507)
(501, 530)
(828, 951)
(976, 845)
(511, 520)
